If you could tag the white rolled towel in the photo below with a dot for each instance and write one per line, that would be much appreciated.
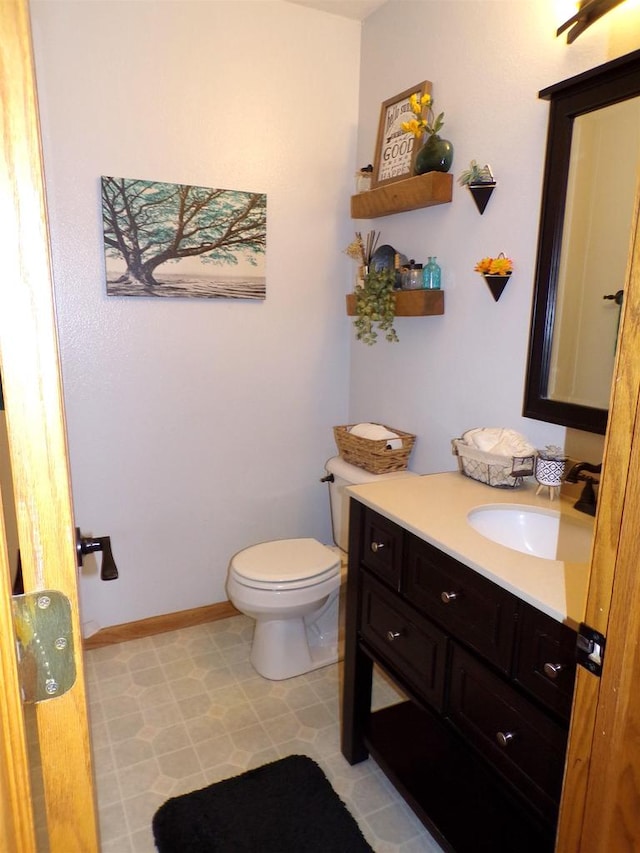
(377, 432)
(513, 444)
(482, 438)
(499, 441)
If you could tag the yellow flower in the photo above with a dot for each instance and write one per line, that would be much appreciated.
(501, 266)
(413, 126)
(483, 266)
(418, 104)
(424, 123)
(495, 266)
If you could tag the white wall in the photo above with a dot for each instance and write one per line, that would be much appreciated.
(487, 62)
(197, 427)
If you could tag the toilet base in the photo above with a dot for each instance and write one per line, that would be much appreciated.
(284, 648)
(296, 631)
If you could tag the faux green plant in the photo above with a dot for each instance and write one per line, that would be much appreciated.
(554, 453)
(376, 306)
(475, 175)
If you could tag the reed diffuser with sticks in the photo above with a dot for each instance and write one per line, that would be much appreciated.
(362, 250)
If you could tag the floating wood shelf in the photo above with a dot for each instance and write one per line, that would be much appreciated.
(410, 303)
(397, 196)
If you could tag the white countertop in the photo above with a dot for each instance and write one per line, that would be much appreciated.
(434, 507)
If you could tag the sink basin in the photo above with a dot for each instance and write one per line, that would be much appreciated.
(541, 532)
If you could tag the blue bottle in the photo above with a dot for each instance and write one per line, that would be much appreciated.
(431, 275)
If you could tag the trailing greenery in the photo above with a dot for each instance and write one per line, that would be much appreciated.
(376, 306)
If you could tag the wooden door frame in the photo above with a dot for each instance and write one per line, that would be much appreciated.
(600, 808)
(16, 814)
(37, 445)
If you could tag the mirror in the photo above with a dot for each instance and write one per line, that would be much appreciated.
(591, 174)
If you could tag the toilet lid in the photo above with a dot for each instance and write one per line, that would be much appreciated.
(282, 562)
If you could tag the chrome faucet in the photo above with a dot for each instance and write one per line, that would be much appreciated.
(587, 500)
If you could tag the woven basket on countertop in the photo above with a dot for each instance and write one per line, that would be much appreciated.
(501, 472)
(372, 454)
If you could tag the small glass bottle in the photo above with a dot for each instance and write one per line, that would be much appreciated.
(363, 179)
(431, 275)
(413, 276)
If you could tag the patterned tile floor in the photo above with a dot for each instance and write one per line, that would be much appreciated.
(178, 711)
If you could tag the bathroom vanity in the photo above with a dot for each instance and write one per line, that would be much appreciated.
(481, 640)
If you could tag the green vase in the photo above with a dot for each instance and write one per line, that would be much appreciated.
(436, 155)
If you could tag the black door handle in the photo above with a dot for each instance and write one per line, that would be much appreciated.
(86, 545)
(616, 297)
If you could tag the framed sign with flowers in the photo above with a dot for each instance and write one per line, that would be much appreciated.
(396, 150)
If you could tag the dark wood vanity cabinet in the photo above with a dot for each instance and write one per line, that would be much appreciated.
(382, 548)
(478, 748)
(476, 611)
(406, 641)
(545, 663)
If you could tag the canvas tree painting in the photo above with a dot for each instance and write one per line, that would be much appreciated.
(178, 240)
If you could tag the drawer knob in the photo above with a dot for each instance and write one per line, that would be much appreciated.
(393, 635)
(377, 546)
(504, 738)
(448, 597)
(552, 670)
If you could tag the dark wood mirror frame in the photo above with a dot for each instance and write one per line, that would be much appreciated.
(607, 84)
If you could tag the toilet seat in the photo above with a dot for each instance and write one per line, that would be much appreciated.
(285, 564)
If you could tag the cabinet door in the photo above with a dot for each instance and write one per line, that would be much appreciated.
(382, 547)
(415, 648)
(525, 745)
(477, 611)
(546, 660)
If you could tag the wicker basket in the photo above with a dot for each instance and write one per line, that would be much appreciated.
(501, 472)
(373, 455)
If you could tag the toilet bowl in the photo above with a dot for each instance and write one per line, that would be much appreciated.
(291, 588)
(287, 586)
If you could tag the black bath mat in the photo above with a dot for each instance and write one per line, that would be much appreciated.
(288, 806)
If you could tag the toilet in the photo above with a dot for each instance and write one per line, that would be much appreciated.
(291, 587)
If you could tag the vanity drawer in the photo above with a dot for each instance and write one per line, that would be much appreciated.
(382, 547)
(415, 647)
(546, 660)
(522, 742)
(477, 611)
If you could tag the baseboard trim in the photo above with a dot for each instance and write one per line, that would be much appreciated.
(159, 624)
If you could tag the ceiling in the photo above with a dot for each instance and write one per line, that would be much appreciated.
(356, 9)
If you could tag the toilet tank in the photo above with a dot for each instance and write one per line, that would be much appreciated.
(345, 475)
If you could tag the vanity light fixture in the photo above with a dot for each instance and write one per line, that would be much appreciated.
(587, 14)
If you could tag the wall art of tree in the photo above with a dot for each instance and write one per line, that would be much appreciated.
(148, 225)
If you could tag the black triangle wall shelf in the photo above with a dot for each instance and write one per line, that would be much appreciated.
(481, 194)
(496, 284)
